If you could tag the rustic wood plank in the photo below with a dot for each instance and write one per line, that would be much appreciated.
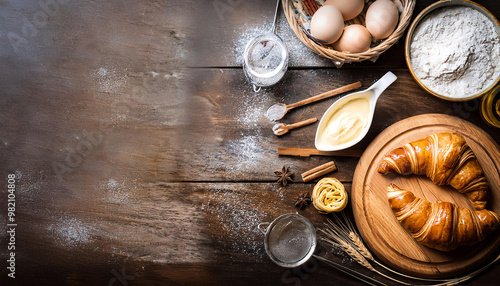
(177, 233)
(91, 75)
(97, 127)
(141, 227)
(224, 136)
(150, 224)
(233, 138)
(220, 38)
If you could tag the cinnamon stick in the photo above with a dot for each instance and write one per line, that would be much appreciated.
(318, 171)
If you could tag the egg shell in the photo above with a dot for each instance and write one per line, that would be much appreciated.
(349, 8)
(382, 18)
(327, 24)
(355, 39)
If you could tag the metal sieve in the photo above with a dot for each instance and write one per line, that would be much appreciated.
(290, 241)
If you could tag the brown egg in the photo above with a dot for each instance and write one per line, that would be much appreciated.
(349, 8)
(382, 18)
(355, 39)
(327, 24)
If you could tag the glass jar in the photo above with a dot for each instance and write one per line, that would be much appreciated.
(490, 107)
(265, 60)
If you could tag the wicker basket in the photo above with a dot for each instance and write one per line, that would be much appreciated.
(339, 58)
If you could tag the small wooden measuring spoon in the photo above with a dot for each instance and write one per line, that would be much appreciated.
(277, 111)
(282, 128)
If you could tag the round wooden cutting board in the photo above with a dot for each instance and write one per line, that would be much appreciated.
(377, 224)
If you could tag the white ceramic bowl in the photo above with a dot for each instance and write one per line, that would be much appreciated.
(371, 94)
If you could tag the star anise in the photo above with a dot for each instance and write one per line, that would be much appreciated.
(303, 200)
(284, 176)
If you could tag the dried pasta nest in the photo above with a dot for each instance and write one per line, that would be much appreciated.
(298, 18)
(329, 195)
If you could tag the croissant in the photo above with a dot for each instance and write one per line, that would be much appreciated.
(440, 225)
(446, 159)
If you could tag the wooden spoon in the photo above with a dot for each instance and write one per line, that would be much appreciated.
(282, 128)
(277, 111)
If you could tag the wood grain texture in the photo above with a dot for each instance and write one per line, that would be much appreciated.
(176, 164)
(375, 220)
(224, 31)
(175, 233)
(230, 133)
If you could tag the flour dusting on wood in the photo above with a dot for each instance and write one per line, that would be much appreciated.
(299, 53)
(237, 217)
(117, 192)
(71, 232)
(108, 80)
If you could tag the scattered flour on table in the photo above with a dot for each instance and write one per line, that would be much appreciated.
(238, 219)
(108, 81)
(252, 108)
(299, 54)
(111, 85)
(249, 149)
(251, 114)
(455, 51)
(71, 232)
(238, 213)
(117, 192)
(247, 152)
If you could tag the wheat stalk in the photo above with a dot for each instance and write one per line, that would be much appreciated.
(354, 254)
(358, 243)
(344, 236)
(357, 256)
(360, 246)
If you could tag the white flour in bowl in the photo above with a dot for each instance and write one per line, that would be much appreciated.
(455, 51)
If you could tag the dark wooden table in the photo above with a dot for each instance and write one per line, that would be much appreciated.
(142, 156)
